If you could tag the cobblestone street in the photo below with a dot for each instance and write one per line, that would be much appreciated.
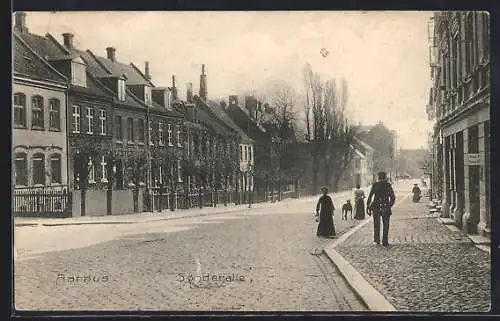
(427, 267)
(254, 260)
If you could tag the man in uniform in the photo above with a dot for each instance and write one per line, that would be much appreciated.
(379, 203)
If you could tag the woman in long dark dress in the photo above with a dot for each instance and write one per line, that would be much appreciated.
(359, 202)
(325, 210)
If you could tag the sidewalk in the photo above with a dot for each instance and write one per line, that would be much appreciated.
(426, 268)
(163, 215)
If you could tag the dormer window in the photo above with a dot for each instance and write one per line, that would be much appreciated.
(78, 73)
(147, 95)
(121, 89)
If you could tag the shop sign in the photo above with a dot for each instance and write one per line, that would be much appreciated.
(472, 159)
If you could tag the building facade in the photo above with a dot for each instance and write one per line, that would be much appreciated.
(460, 106)
(39, 144)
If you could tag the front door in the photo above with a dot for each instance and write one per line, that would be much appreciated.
(474, 177)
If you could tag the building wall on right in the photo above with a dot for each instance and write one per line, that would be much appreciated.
(459, 103)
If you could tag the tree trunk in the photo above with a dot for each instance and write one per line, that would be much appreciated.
(237, 200)
(172, 195)
(225, 190)
(297, 195)
(82, 200)
(266, 190)
(200, 195)
(109, 201)
(160, 197)
(135, 191)
(315, 177)
(279, 189)
(272, 191)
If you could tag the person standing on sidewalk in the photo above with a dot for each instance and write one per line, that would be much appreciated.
(325, 210)
(379, 203)
(359, 203)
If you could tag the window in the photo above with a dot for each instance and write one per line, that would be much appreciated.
(179, 170)
(130, 129)
(121, 89)
(246, 154)
(453, 62)
(21, 170)
(55, 168)
(169, 135)
(102, 121)
(78, 74)
(75, 122)
(54, 114)
(147, 95)
(140, 130)
(20, 110)
(357, 164)
(469, 25)
(167, 98)
(37, 112)
(39, 169)
(179, 143)
(241, 153)
(90, 120)
(118, 128)
(250, 153)
(486, 34)
(150, 131)
(91, 177)
(104, 176)
(160, 176)
(161, 138)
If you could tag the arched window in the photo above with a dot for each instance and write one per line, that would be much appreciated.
(21, 170)
(37, 112)
(55, 114)
(20, 110)
(39, 169)
(55, 168)
(469, 42)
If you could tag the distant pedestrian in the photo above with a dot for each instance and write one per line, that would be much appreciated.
(383, 198)
(359, 203)
(325, 210)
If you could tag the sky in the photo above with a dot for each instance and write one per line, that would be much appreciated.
(382, 55)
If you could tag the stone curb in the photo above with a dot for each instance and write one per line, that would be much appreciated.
(481, 242)
(372, 298)
(122, 220)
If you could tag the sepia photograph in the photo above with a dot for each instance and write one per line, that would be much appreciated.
(244, 161)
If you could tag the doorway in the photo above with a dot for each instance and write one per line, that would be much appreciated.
(474, 177)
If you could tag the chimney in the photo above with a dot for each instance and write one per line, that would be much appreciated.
(111, 53)
(68, 40)
(146, 70)
(189, 92)
(20, 22)
(203, 84)
(174, 89)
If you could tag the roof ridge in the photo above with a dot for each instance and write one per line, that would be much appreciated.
(54, 40)
(99, 62)
(46, 63)
(141, 73)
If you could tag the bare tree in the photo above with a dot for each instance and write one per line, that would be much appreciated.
(329, 132)
(280, 120)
